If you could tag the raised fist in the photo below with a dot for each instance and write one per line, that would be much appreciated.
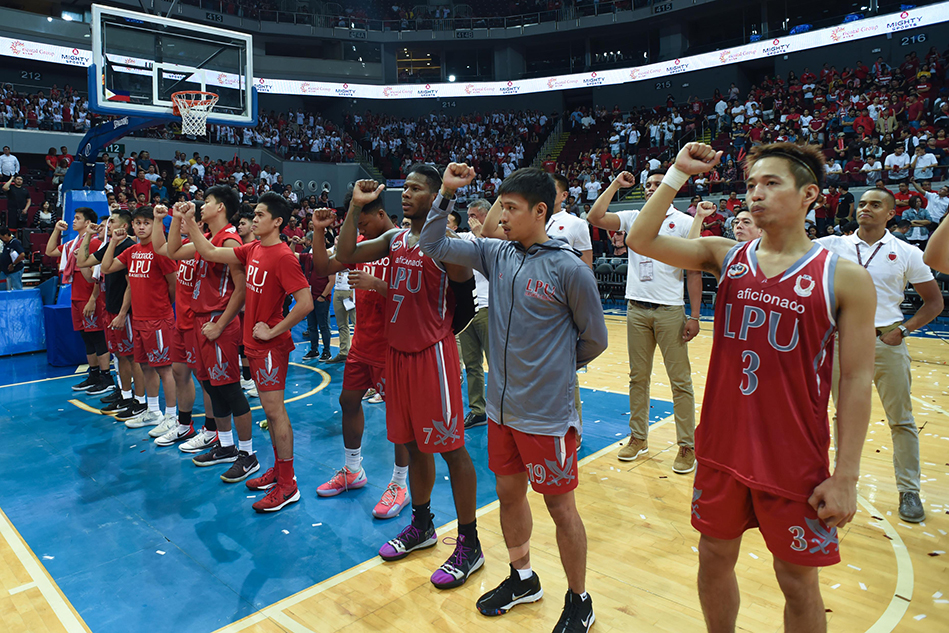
(697, 158)
(159, 211)
(704, 209)
(62, 226)
(626, 180)
(323, 218)
(456, 176)
(365, 191)
(119, 234)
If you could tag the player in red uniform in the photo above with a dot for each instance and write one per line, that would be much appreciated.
(365, 364)
(762, 445)
(184, 355)
(273, 272)
(216, 301)
(152, 283)
(422, 358)
(244, 222)
(88, 304)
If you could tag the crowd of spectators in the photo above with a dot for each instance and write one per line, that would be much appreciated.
(495, 143)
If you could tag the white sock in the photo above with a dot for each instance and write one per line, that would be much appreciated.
(399, 475)
(172, 411)
(525, 573)
(153, 404)
(140, 399)
(583, 596)
(246, 446)
(127, 395)
(353, 459)
(226, 437)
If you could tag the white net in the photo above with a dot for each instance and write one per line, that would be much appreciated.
(194, 108)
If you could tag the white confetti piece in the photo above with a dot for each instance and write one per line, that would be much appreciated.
(928, 534)
(943, 532)
(854, 567)
(941, 601)
(863, 586)
(62, 409)
(835, 586)
(446, 477)
(904, 525)
(619, 435)
(317, 524)
(251, 496)
(159, 552)
(921, 616)
(755, 556)
(937, 595)
(642, 516)
(603, 478)
(48, 558)
(285, 531)
(695, 549)
(133, 445)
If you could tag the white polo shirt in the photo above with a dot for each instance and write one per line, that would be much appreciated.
(649, 280)
(936, 206)
(570, 228)
(892, 263)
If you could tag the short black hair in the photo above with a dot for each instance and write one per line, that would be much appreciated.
(655, 172)
(805, 162)
(277, 207)
(562, 181)
(850, 227)
(432, 178)
(144, 211)
(87, 213)
(903, 224)
(844, 186)
(532, 184)
(887, 195)
(226, 196)
(372, 207)
(457, 217)
(123, 215)
(4, 231)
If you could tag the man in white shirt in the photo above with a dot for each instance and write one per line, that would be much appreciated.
(872, 169)
(655, 314)
(568, 226)
(9, 164)
(593, 189)
(474, 338)
(896, 165)
(937, 203)
(892, 263)
(923, 163)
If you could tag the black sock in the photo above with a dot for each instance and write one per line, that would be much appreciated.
(210, 424)
(184, 418)
(469, 531)
(245, 372)
(422, 516)
(94, 372)
(105, 374)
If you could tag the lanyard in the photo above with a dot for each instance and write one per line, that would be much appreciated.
(872, 255)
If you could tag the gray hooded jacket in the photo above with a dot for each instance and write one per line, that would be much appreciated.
(545, 321)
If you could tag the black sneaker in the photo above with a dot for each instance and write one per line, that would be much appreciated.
(472, 420)
(408, 540)
(218, 455)
(339, 358)
(577, 616)
(464, 561)
(245, 465)
(511, 592)
(113, 408)
(325, 356)
(311, 355)
(134, 409)
(85, 384)
(115, 396)
(911, 508)
(104, 385)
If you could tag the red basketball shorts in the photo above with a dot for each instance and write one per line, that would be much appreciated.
(550, 461)
(152, 341)
(724, 507)
(95, 322)
(119, 340)
(218, 360)
(184, 348)
(360, 376)
(269, 369)
(423, 398)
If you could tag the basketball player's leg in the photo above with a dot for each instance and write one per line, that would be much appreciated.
(641, 348)
(803, 604)
(352, 476)
(718, 583)
(270, 375)
(464, 484)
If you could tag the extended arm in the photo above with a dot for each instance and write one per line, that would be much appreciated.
(83, 258)
(174, 248)
(347, 250)
(937, 250)
(323, 264)
(600, 214)
(52, 244)
(207, 250)
(111, 263)
(490, 228)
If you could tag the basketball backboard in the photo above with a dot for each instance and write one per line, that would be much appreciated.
(140, 60)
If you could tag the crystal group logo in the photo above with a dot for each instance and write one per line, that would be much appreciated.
(638, 74)
(593, 80)
(905, 22)
(562, 82)
(776, 48)
(842, 34)
(510, 89)
(678, 66)
(729, 56)
(397, 91)
(478, 89)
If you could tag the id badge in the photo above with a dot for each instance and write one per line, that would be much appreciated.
(645, 270)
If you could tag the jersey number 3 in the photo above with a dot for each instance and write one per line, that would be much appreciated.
(750, 382)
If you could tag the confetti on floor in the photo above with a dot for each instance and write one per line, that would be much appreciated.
(854, 567)
(159, 552)
(835, 586)
(285, 531)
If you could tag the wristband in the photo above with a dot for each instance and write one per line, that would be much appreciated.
(692, 318)
(675, 178)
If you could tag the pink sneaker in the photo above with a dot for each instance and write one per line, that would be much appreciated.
(393, 500)
(342, 481)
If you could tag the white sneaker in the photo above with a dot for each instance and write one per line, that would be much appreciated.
(375, 399)
(175, 435)
(247, 385)
(252, 392)
(146, 418)
(168, 422)
(199, 443)
(370, 393)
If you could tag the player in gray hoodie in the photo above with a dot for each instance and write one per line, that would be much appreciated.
(545, 322)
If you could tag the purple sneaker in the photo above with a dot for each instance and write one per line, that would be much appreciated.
(408, 540)
(466, 560)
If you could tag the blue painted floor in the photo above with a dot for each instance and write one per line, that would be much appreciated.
(97, 503)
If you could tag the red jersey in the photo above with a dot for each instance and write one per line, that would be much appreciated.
(183, 292)
(764, 418)
(146, 273)
(369, 342)
(273, 272)
(420, 304)
(213, 286)
(81, 289)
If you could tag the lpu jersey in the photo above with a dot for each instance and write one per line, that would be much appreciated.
(146, 273)
(213, 286)
(764, 419)
(369, 342)
(273, 272)
(420, 304)
(183, 292)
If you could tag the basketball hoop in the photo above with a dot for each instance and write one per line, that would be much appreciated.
(193, 107)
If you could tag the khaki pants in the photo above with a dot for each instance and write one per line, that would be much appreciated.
(645, 328)
(474, 348)
(343, 318)
(891, 375)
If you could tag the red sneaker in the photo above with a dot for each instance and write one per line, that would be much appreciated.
(265, 482)
(277, 498)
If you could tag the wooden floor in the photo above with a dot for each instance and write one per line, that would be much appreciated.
(642, 559)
